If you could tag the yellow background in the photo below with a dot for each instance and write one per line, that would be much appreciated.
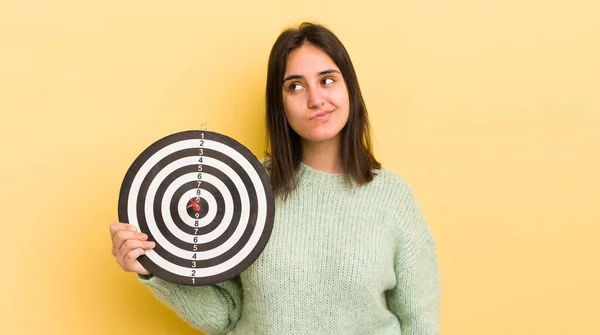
(490, 109)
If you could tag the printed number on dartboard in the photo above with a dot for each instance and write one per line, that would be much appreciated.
(198, 192)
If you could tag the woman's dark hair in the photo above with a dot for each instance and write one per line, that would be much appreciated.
(284, 148)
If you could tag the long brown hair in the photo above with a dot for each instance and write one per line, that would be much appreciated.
(284, 148)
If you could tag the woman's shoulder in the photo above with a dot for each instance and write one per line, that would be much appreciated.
(401, 200)
(390, 179)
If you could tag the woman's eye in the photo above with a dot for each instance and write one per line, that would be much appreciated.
(295, 87)
(327, 81)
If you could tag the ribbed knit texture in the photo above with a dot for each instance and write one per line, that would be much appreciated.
(340, 260)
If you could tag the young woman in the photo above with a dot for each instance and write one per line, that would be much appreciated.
(350, 251)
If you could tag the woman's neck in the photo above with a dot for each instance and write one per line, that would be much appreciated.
(323, 156)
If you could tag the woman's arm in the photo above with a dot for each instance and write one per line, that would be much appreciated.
(416, 298)
(213, 309)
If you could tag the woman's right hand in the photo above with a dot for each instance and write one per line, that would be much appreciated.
(127, 245)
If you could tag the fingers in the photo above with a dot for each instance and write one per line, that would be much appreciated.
(128, 254)
(117, 226)
(131, 264)
(121, 234)
(128, 245)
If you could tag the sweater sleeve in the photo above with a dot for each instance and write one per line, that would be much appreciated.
(213, 309)
(415, 299)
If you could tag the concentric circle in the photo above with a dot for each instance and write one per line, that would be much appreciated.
(205, 200)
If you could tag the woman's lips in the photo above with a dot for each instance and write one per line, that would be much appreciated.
(321, 115)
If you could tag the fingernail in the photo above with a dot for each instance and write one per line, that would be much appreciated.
(132, 228)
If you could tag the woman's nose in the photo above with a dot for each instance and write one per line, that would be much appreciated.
(315, 97)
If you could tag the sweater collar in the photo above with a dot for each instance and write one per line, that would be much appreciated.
(310, 176)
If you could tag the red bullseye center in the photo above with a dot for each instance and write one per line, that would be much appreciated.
(194, 204)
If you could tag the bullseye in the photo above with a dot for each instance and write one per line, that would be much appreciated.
(195, 205)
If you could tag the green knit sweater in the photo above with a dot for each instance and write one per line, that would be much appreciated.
(340, 260)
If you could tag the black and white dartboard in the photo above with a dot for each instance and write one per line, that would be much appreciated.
(205, 200)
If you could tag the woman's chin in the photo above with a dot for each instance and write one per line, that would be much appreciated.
(322, 136)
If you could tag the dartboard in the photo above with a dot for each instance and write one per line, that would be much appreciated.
(205, 200)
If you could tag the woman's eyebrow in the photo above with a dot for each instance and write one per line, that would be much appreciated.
(293, 76)
(322, 73)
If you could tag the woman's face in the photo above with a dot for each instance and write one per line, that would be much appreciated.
(315, 97)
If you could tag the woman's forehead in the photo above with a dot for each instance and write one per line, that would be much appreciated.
(308, 60)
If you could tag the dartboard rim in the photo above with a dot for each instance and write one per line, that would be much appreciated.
(237, 269)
